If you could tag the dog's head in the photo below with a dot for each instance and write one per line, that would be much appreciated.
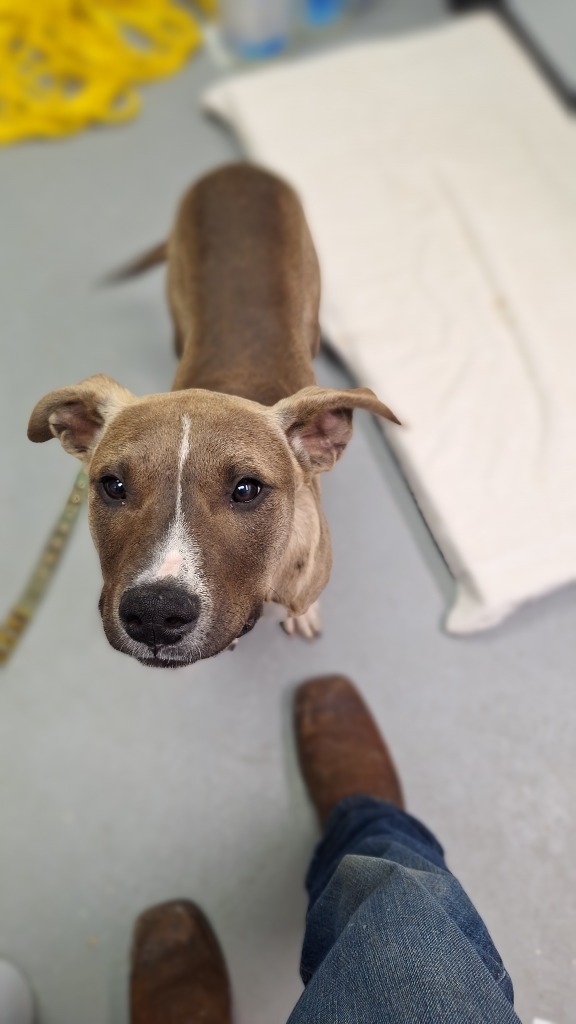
(192, 501)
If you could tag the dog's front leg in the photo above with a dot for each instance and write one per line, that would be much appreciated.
(304, 570)
(308, 624)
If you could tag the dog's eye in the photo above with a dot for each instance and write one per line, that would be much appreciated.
(113, 488)
(246, 490)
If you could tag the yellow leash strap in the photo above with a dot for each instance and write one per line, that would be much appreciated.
(22, 612)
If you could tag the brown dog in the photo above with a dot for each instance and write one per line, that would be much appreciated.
(204, 502)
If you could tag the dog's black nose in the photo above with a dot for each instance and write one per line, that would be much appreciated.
(158, 613)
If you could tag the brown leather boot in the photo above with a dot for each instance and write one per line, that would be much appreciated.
(340, 748)
(178, 973)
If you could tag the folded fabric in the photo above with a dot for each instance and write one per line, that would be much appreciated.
(438, 175)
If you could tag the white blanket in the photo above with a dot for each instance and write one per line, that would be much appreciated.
(438, 173)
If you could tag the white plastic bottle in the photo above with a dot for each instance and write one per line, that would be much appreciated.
(256, 29)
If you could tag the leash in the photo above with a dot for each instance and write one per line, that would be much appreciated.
(22, 612)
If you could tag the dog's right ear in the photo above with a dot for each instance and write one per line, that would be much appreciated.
(79, 415)
(318, 422)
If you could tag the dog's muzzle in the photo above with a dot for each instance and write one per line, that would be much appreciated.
(159, 614)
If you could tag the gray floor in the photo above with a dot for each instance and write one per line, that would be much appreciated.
(554, 35)
(120, 786)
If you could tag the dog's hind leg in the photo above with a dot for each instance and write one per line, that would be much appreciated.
(178, 341)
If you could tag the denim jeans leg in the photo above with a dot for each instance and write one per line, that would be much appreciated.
(391, 937)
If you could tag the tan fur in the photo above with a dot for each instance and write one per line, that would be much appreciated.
(304, 569)
(243, 288)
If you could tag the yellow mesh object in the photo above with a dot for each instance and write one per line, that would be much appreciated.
(65, 64)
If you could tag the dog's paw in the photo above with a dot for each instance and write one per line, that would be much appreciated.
(307, 625)
(233, 645)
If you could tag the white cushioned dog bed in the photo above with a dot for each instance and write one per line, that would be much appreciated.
(438, 173)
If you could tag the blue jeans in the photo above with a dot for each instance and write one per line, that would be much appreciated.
(391, 937)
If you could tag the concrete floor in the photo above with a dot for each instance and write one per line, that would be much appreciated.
(554, 33)
(120, 786)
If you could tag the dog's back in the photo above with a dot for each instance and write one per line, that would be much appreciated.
(243, 286)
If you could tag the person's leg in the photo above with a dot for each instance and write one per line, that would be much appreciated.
(178, 973)
(16, 1002)
(390, 934)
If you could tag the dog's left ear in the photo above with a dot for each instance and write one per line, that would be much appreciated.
(318, 422)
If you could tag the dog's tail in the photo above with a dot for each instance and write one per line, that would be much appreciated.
(148, 259)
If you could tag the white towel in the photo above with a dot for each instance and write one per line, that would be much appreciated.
(438, 173)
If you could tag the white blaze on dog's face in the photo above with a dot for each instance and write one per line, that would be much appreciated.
(191, 503)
